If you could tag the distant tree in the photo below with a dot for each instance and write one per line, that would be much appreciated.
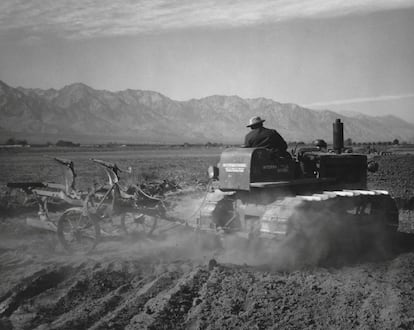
(62, 143)
(11, 141)
(395, 142)
(348, 142)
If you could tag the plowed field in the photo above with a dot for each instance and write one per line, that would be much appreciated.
(172, 284)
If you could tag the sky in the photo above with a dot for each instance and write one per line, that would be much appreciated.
(355, 55)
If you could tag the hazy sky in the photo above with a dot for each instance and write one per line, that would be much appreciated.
(355, 55)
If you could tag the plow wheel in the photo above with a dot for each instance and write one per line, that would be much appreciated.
(138, 224)
(78, 233)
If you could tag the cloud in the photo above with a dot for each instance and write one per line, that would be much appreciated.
(360, 100)
(82, 19)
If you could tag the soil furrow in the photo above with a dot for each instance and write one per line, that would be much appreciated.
(32, 286)
(86, 314)
(133, 303)
(167, 310)
(90, 285)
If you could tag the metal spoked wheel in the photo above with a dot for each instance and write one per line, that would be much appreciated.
(138, 224)
(78, 233)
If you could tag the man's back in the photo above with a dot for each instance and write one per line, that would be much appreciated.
(266, 138)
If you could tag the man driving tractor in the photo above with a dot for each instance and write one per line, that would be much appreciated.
(260, 136)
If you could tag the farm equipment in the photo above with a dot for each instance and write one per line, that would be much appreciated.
(102, 207)
(86, 217)
(312, 204)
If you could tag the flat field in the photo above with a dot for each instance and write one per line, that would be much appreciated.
(184, 165)
(171, 284)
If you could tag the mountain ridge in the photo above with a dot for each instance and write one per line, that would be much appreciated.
(81, 112)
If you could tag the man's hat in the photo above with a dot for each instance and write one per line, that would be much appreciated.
(255, 120)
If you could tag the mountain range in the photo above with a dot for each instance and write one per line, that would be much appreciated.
(80, 113)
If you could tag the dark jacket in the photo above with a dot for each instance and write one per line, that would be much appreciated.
(266, 138)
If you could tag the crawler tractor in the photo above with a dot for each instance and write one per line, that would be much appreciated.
(315, 200)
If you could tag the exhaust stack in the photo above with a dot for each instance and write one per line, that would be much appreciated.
(338, 136)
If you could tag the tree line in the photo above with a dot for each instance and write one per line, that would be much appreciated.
(65, 143)
(349, 142)
(24, 142)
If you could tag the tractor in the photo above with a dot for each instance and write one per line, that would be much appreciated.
(314, 199)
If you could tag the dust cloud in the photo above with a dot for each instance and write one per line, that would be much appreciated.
(328, 235)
